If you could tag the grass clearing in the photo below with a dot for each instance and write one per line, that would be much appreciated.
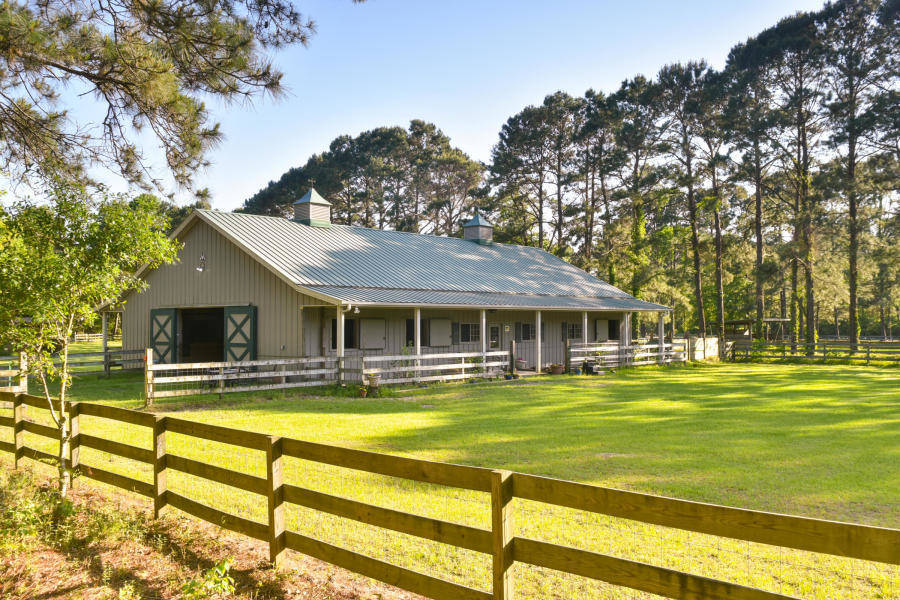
(821, 441)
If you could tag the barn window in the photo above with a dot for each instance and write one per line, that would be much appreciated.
(350, 336)
(470, 332)
(575, 331)
(527, 332)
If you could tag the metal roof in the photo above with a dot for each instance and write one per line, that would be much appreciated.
(312, 197)
(375, 266)
(477, 221)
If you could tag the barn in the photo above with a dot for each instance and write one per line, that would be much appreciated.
(250, 287)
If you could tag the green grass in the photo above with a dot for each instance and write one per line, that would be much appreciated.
(822, 441)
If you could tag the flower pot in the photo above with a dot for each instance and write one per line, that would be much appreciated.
(556, 369)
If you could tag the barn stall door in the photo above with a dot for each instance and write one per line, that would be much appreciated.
(164, 334)
(240, 333)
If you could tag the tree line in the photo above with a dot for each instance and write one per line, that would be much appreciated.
(768, 188)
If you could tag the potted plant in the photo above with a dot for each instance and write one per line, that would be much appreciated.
(363, 391)
(556, 369)
(521, 364)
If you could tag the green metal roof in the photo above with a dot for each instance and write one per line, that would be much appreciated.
(375, 266)
(477, 221)
(312, 197)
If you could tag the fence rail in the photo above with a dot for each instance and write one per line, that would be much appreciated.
(863, 352)
(94, 337)
(500, 541)
(611, 354)
(411, 368)
(82, 363)
(187, 379)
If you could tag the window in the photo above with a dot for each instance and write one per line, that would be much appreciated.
(575, 331)
(470, 332)
(350, 337)
(613, 329)
(528, 332)
(438, 332)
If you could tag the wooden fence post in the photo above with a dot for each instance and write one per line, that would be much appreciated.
(23, 373)
(868, 353)
(275, 493)
(148, 376)
(221, 385)
(75, 443)
(159, 465)
(18, 428)
(512, 356)
(502, 530)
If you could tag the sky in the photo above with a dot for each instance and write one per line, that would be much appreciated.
(464, 65)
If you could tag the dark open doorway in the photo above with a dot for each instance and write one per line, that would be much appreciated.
(202, 335)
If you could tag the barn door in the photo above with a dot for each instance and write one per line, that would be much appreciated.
(164, 334)
(240, 333)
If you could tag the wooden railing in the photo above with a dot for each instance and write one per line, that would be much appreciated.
(90, 363)
(188, 379)
(94, 337)
(499, 541)
(411, 368)
(611, 354)
(863, 352)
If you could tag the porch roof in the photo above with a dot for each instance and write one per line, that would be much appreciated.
(453, 299)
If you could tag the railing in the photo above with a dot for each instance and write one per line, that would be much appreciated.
(12, 374)
(90, 363)
(411, 368)
(500, 541)
(94, 337)
(188, 379)
(863, 352)
(612, 355)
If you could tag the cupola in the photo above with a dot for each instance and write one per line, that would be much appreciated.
(478, 230)
(312, 209)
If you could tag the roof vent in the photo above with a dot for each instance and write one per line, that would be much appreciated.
(478, 230)
(312, 209)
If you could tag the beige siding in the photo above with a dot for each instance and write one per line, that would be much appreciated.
(230, 278)
(553, 346)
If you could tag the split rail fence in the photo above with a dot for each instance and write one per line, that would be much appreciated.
(500, 541)
(863, 352)
(85, 363)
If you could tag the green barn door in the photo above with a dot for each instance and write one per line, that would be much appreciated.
(240, 333)
(164, 334)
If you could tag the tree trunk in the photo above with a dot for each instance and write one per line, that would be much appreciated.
(695, 250)
(757, 227)
(720, 289)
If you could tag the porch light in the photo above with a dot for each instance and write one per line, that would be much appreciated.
(202, 266)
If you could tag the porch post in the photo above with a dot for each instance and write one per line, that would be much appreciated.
(484, 335)
(417, 326)
(538, 341)
(339, 343)
(661, 332)
(584, 328)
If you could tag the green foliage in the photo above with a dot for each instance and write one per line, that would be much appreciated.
(149, 65)
(215, 582)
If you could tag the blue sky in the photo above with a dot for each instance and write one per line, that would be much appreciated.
(464, 65)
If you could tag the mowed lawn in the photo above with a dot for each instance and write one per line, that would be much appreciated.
(821, 441)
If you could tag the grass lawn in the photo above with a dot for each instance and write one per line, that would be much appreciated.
(821, 441)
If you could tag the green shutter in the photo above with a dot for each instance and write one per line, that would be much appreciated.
(565, 331)
(164, 334)
(454, 333)
(240, 333)
(518, 332)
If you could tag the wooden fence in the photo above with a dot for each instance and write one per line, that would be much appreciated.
(94, 337)
(411, 368)
(89, 363)
(863, 352)
(188, 379)
(611, 354)
(500, 541)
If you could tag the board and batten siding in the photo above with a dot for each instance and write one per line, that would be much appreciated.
(553, 347)
(230, 277)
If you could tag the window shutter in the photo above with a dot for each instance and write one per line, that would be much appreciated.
(334, 334)
(454, 333)
(518, 332)
(543, 332)
(565, 331)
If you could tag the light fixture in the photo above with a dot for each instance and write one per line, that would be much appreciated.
(355, 310)
(202, 266)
